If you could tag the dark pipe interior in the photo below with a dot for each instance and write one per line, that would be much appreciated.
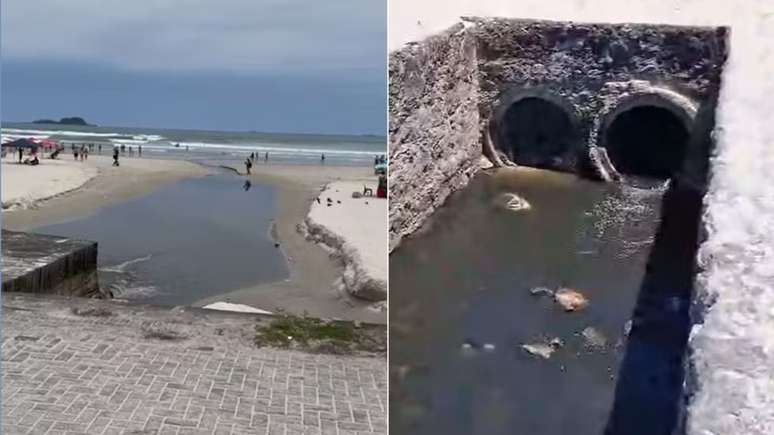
(537, 132)
(647, 141)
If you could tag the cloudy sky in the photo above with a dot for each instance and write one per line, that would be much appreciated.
(269, 65)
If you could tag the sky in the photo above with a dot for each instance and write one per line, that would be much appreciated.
(305, 66)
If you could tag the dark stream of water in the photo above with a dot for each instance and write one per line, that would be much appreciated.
(187, 241)
(467, 279)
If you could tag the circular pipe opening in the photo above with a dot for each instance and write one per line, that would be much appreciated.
(647, 141)
(536, 132)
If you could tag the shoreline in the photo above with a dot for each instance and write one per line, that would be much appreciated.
(135, 177)
(311, 287)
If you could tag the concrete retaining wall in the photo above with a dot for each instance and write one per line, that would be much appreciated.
(38, 263)
(450, 93)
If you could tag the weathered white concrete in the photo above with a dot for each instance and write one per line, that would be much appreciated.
(733, 352)
(235, 308)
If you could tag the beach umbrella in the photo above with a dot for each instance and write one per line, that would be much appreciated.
(21, 143)
(47, 143)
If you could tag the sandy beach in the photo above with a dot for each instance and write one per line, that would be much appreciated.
(315, 282)
(313, 286)
(353, 227)
(66, 189)
(24, 185)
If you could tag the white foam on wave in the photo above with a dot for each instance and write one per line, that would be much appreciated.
(276, 148)
(121, 267)
(48, 133)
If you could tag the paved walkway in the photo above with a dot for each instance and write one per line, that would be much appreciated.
(108, 372)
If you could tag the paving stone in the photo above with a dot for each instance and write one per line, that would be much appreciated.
(101, 376)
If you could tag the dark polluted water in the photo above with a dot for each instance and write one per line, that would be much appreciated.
(185, 242)
(461, 306)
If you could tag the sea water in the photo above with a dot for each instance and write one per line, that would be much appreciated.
(207, 146)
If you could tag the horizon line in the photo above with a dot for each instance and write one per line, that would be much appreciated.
(198, 129)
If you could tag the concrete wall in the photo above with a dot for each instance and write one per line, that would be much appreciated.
(450, 95)
(434, 126)
(37, 263)
(732, 346)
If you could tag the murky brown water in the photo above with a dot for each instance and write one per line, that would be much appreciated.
(467, 279)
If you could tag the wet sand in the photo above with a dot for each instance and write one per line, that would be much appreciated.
(311, 287)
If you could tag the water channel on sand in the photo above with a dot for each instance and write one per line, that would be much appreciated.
(461, 307)
(187, 241)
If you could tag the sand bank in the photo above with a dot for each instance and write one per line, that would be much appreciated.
(356, 229)
(25, 185)
(313, 285)
(105, 185)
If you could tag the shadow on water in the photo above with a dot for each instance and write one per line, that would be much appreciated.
(651, 375)
(649, 396)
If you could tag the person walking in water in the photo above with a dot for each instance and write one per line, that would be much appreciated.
(139, 150)
(100, 148)
(322, 158)
(248, 165)
(115, 156)
(266, 157)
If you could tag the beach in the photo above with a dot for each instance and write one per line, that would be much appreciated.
(85, 186)
(315, 276)
(312, 285)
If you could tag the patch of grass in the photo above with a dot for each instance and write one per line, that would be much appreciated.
(305, 333)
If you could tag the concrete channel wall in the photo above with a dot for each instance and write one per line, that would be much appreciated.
(37, 263)
(450, 96)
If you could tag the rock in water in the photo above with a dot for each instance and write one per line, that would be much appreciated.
(571, 300)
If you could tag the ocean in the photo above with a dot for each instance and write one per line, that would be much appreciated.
(209, 146)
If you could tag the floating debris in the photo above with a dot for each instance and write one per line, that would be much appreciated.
(627, 328)
(594, 338)
(541, 291)
(513, 202)
(571, 300)
(543, 350)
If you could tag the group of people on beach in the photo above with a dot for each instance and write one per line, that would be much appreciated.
(251, 159)
(81, 153)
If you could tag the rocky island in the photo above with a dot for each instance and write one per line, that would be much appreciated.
(75, 120)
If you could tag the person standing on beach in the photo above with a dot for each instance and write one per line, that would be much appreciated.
(100, 148)
(139, 150)
(322, 158)
(248, 165)
(21, 154)
(115, 156)
(266, 157)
